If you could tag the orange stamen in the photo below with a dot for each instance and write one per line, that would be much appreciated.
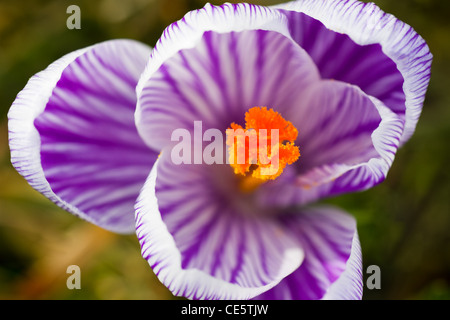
(263, 148)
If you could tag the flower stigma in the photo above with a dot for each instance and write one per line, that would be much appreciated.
(262, 150)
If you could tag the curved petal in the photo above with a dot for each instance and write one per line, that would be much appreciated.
(214, 65)
(72, 133)
(332, 268)
(358, 43)
(348, 141)
(335, 125)
(199, 245)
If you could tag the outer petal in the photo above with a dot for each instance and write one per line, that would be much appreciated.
(332, 268)
(217, 63)
(72, 133)
(199, 245)
(348, 142)
(358, 43)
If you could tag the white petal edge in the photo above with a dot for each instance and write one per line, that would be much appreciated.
(349, 286)
(366, 23)
(159, 249)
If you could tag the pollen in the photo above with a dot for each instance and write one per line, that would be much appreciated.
(262, 150)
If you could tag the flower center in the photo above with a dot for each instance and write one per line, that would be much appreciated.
(260, 151)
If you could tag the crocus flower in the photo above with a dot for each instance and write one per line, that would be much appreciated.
(93, 131)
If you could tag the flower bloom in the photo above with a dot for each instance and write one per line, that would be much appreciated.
(92, 132)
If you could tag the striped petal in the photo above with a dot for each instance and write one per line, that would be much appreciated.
(202, 246)
(332, 267)
(358, 43)
(72, 133)
(348, 141)
(214, 65)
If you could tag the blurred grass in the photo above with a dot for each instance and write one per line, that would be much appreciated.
(403, 223)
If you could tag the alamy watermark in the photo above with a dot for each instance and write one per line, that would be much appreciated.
(74, 280)
(74, 20)
(374, 280)
(243, 147)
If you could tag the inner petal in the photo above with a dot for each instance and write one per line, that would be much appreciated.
(336, 123)
(219, 79)
(349, 141)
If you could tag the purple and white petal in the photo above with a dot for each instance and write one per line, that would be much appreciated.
(72, 133)
(335, 124)
(200, 245)
(358, 43)
(348, 141)
(214, 65)
(332, 267)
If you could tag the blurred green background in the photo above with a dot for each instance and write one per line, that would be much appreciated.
(403, 223)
